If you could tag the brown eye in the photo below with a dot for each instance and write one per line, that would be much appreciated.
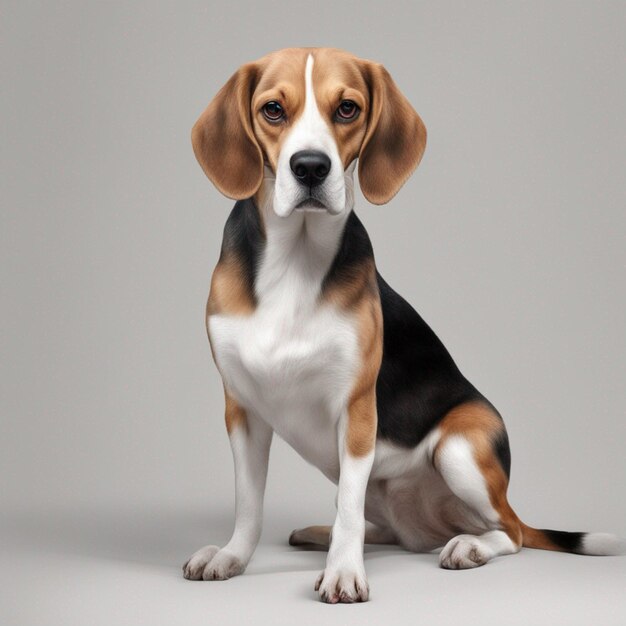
(347, 111)
(273, 111)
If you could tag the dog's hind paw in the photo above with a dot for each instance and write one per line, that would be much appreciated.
(463, 552)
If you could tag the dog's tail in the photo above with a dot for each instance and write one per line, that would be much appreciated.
(596, 544)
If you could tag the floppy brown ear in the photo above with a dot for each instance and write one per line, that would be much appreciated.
(224, 142)
(394, 142)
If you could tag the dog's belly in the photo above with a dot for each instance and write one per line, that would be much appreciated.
(296, 374)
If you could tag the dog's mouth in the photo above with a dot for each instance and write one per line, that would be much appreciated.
(311, 204)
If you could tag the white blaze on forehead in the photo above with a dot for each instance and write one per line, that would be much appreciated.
(310, 132)
(313, 126)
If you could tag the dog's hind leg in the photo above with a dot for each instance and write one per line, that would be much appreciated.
(311, 535)
(473, 459)
(320, 535)
(378, 535)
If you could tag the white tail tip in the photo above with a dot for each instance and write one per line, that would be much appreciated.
(602, 544)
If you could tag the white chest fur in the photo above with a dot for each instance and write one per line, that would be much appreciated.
(293, 361)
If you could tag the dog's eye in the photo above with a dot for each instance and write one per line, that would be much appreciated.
(347, 111)
(273, 111)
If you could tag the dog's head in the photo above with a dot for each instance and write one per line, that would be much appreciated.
(297, 119)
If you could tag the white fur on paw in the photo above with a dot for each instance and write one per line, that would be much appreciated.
(223, 565)
(463, 552)
(342, 586)
(194, 567)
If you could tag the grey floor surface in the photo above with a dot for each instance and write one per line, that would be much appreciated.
(115, 567)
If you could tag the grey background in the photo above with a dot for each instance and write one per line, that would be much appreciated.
(509, 240)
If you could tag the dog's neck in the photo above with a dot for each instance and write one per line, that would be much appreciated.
(317, 230)
(299, 248)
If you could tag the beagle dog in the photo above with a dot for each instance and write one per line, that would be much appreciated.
(313, 344)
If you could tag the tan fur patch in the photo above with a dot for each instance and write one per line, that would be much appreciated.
(229, 293)
(358, 295)
(395, 140)
(535, 538)
(223, 140)
(362, 420)
(235, 416)
(480, 425)
(337, 77)
(283, 81)
(318, 535)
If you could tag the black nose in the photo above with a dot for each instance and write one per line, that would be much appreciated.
(310, 167)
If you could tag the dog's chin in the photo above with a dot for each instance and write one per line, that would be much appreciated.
(311, 204)
(284, 205)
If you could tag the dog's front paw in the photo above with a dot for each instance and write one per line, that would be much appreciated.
(342, 586)
(211, 563)
(193, 568)
(223, 565)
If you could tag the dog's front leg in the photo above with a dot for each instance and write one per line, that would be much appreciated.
(344, 578)
(250, 439)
